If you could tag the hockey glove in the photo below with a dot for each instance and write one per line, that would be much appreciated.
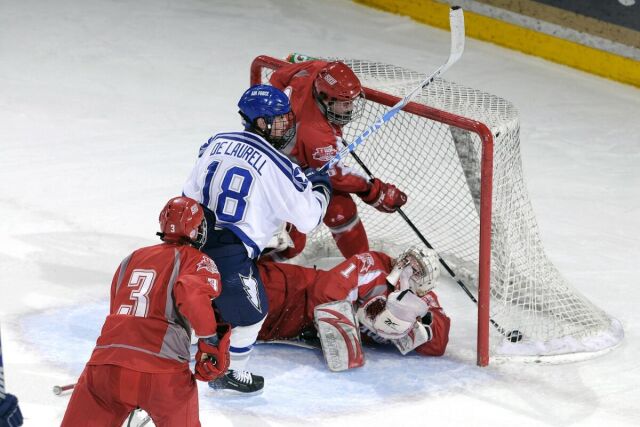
(212, 357)
(392, 317)
(384, 197)
(10, 415)
(319, 181)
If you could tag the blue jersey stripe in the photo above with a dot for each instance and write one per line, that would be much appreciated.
(285, 165)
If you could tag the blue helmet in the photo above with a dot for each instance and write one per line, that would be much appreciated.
(267, 102)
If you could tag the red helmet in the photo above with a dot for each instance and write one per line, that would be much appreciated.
(339, 91)
(181, 221)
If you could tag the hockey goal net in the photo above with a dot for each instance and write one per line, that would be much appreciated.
(455, 151)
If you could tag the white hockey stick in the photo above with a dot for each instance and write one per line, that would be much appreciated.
(456, 22)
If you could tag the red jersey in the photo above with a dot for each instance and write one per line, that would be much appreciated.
(317, 139)
(157, 295)
(294, 291)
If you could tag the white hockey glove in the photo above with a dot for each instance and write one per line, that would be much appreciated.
(280, 241)
(394, 316)
(420, 334)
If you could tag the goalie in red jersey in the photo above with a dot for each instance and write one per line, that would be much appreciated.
(325, 96)
(141, 359)
(392, 299)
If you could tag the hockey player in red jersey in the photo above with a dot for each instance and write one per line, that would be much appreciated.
(141, 358)
(369, 280)
(325, 96)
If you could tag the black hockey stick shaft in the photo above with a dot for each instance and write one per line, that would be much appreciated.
(427, 244)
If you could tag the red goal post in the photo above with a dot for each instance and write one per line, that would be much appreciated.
(263, 65)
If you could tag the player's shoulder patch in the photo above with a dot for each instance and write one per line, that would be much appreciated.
(367, 261)
(324, 154)
(207, 264)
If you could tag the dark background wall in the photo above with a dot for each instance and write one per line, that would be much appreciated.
(611, 11)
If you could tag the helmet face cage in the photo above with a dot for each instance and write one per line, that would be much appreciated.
(201, 237)
(280, 130)
(420, 270)
(342, 112)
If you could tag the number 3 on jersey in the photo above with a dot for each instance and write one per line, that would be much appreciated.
(142, 282)
(231, 202)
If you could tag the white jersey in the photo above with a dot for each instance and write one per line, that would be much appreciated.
(253, 189)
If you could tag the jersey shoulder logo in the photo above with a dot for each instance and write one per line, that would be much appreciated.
(367, 261)
(207, 264)
(300, 177)
(324, 154)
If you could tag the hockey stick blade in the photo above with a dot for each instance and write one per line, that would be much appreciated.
(291, 343)
(456, 23)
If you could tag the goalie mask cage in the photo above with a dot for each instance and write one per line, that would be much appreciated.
(455, 151)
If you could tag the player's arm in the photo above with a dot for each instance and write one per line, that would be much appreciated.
(282, 77)
(116, 279)
(301, 199)
(439, 325)
(197, 285)
(318, 146)
(318, 143)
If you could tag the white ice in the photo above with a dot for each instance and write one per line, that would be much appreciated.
(103, 105)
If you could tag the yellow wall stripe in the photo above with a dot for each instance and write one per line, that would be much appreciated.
(565, 52)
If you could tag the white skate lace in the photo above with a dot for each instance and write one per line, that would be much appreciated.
(242, 376)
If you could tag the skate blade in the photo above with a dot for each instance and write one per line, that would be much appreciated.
(228, 393)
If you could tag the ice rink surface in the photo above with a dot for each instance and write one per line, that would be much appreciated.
(103, 105)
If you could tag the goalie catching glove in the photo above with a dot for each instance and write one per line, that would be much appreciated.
(212, 357)
(392, 317)
(384, 197)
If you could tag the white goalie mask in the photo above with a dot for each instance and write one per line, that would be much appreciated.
(417, 269)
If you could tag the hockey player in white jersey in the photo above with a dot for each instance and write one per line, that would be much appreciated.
(249, 190)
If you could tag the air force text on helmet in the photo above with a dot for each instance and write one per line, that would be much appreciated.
(259, 93)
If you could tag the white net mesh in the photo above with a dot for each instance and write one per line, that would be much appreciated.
(438, 166)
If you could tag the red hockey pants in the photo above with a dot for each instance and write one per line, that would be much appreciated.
(106, 394)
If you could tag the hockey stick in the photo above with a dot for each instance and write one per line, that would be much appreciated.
(456, 22)
(59, 389)
(291, 343)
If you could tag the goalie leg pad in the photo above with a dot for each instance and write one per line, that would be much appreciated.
(339, 335)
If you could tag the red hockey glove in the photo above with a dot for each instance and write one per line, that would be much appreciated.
(212, 357)
(384, 197)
